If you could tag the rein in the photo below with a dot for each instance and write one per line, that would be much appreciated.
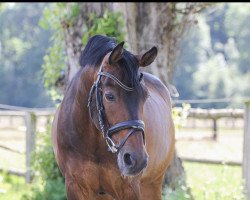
(134, 125)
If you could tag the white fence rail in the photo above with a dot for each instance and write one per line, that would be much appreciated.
(214, 115)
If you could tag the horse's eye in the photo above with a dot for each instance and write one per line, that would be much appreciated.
(110, 97)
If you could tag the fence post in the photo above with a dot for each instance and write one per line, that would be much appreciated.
(30, 121)
(214, 129)
(246, 150)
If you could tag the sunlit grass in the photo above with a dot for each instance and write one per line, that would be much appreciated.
(11, 187)
(210, 182)
(214, 182)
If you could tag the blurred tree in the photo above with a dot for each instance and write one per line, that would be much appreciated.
(237, 21)
(194, 50)
(214, 57)
(22, 46)
(215, 21)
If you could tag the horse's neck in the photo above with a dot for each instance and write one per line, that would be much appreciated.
(83, 86)
(74, 110)
(77, 132)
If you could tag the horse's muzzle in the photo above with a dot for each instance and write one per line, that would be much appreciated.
(132, 160)
(134, 165)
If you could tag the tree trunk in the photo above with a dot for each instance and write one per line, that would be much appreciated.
(73, 34)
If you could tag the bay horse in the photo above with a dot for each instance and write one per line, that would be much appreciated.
(113, 134)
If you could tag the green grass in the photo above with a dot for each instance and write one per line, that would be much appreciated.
(207, 182)
(210, 182)
(11, 187)
(214, 182)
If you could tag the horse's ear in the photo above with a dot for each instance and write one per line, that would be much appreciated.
(116, 54)
(147, 58)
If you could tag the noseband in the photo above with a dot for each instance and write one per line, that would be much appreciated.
(134, 125)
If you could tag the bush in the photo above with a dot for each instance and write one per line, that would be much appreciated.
(48, 182)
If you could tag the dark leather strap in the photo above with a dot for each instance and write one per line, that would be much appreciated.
(135, 124)
(124, 140)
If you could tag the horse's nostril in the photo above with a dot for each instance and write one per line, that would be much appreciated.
(127, 159)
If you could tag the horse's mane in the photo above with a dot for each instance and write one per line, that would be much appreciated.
(98, 46)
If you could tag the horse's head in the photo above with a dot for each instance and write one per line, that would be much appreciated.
(119, 97)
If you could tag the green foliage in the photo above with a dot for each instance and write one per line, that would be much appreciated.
(54, 64)
(110, 24)
(11, 187)
(48, 182)
(56, 13)
(179, 193)
(55, 60)
(180, 116)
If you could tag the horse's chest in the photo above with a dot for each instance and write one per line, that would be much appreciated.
(104, 180)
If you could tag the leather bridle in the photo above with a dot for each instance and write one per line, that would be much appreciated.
(134, 125)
